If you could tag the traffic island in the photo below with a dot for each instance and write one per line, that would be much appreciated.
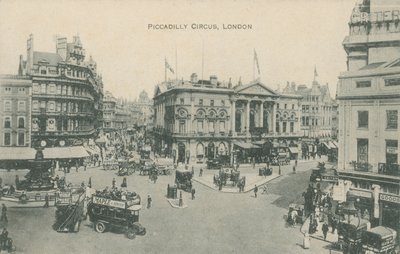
(251, 181)
(175, 203)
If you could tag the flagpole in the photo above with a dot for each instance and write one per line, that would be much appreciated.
(165, 69)
(176, 62)
(202, 62)
(254, 65)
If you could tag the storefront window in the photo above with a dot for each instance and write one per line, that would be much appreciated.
(362, 119)
(391, 152)
(392, 119)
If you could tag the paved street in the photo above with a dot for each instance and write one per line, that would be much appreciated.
(214, 222)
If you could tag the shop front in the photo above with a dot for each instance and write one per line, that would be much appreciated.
(389, 207)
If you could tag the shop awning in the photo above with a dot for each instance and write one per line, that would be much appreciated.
(293, 150)
(246, 145)
(17, 153)
(65, 152)
(332, 145)
(260, 142)
(92, 149)
(326, 145)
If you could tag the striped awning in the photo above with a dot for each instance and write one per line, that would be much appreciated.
(17, 153)
(246, 145)
(65, 152)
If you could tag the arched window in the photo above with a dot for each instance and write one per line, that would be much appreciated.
(21, 122)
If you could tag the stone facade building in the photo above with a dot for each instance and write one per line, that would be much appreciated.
(15, 110)
(202, 119)
(369, 104)
(67, 93)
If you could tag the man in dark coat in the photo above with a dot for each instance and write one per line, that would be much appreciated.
(3, 237)
(325, 229)
(193, 192)
(4, 213)
(255, 190)
(46, 199)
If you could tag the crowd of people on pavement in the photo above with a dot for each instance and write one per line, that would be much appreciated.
(6, 242)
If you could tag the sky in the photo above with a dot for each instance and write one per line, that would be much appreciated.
(291, 38)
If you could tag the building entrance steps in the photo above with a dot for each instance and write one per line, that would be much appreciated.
(251, 181)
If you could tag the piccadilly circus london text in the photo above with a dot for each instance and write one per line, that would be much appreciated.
(198, 26)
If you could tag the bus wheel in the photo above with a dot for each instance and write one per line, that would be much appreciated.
(100, 227)
(130, 234)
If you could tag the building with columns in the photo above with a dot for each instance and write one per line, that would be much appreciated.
(369, 103)
(201, 119)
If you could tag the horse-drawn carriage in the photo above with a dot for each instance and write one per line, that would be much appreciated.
(147, 167)
(281, 158)
(183, 179)
(164, 166)
(265, 171)
(110, 164)
(295, 214)
(127, 168)
(227, 175)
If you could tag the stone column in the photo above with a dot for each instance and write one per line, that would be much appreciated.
(261, 122)
(375, 195)
(233, 117)
(248, 116)
(273, 118)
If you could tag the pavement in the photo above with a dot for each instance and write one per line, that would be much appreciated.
(251, 181)
(330, 237)
(215, 222)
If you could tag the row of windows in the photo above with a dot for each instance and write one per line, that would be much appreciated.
(284, 127)
(201, 102)
(21, 106)
(8, 90)
(53, 106)
(58, 89)
(8, 123)
(20, 139)
(391, 119)
(388, 82)
(285, 106)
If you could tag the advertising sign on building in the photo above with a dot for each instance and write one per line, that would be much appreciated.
(389, 198)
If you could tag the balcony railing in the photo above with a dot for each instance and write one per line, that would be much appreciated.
(389, 169)
(361, 166)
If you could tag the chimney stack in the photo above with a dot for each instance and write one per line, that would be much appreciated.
(193, 78)
(213, 80)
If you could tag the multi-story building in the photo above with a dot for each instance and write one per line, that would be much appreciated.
(369, 104)
(318, 110)
(67, 93)
(109, 107)
(145, 105)
(15, 110)
(200, 119)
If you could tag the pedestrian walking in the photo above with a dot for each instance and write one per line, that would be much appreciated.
(334, 224)
(16, 181)
(3, 237)
(294, 169)
(3, 213)
(113, 183)
(201, 172)
(124, 183)
(193, 192)
(295, 163)
(90, 182)
(46, 201)
(325, 229)
(192, 170)
(149, 201)
(255, 190)
(180, 199)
